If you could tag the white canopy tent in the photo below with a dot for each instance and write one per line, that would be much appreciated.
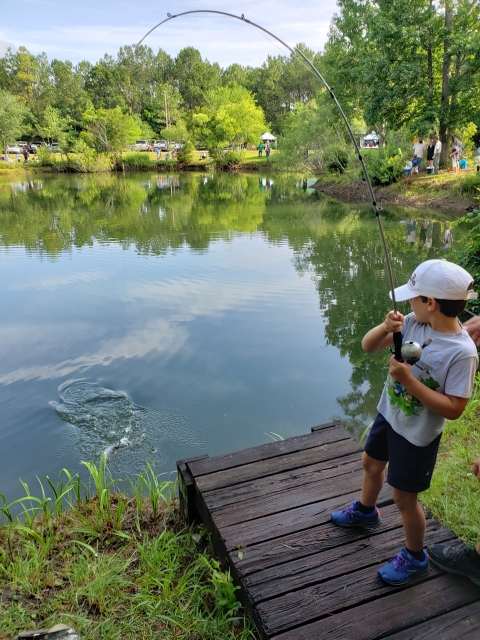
(268, 136)
(371, 137)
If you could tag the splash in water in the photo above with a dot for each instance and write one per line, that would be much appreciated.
(105, 420)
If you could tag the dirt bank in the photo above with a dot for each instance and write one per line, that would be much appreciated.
(431, 192)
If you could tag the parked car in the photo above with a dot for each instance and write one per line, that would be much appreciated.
(14, 148)
(161, 144)
(176, 146)
(55, 147)
(141, 145)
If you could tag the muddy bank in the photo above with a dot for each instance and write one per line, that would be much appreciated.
(356, 191)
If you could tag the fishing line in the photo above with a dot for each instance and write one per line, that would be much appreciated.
(397, 337)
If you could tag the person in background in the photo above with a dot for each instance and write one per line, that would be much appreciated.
(477, 160)
(260, 149)
(462, 560)
(455, 159)
(436, 155)
(416, 164)
(430, 151)
(418, 151)
(267, 150)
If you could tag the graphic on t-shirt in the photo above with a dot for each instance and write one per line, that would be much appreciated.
(400, 397)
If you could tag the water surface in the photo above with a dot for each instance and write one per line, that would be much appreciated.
(162, 317)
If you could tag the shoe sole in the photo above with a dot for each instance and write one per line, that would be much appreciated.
(359, 525)
(456, 573)
(400, 584)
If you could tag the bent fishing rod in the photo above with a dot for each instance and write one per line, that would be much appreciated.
(397, 336)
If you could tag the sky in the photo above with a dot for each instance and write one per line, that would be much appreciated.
(85, 30)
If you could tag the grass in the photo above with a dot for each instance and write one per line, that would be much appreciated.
(454, 496)
(110, 565)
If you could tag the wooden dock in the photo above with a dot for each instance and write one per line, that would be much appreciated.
(302, 578)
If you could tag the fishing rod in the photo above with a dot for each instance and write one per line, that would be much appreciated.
(397, 336)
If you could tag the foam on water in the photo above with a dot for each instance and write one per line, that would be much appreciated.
(108, 420)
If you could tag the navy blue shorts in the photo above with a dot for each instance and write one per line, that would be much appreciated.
(410, 467)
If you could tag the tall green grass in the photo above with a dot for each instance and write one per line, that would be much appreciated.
(454, 496)
(111, 565)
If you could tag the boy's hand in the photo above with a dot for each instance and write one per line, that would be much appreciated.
(393, 322)
(400, 371)
(476, 468)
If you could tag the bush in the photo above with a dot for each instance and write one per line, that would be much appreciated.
(45, 157)
(336, 160)
(384, 166)
(137, 161)
(90, 162)
(228, 160)
(186, 153)
(471, 185)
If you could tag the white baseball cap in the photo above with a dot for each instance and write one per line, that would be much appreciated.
(437, 279)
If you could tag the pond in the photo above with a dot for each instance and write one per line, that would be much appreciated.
(160, 317)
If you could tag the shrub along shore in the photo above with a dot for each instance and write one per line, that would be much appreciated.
(110, 565)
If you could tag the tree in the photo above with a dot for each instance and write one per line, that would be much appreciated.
(12, 118)
(110, 129)
(230, 117)
(52, 126)
(195, 77)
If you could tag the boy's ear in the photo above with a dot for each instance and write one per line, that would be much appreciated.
(432, 304)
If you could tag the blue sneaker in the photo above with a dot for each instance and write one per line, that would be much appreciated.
(351, 517)
(402, 568)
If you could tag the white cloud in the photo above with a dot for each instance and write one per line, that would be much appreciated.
(156, 335)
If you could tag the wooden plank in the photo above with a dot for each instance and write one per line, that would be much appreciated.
(394, 612)
(279, 464)
(331, 563)
(279, 482)
(323, 426)
(260, 561)
(461, 624)
(269, 450)
(186, 491)
(244, 534)
(261, 506)
(341, 583)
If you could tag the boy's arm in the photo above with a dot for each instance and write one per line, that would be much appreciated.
(450, 407)
(381, 336)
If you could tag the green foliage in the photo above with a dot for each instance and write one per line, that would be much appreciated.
(385, 165)
(453, 495)
(52, 126)
(137, 161)
(110, 129)
(471, 187)
(469, 258)
(230, 118)
(12, 118)
(130, 582)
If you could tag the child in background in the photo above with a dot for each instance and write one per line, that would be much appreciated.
(454, 157)
(415, 164)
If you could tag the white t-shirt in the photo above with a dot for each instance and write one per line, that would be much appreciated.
(438, 147)
(419, 149)
(448, 365)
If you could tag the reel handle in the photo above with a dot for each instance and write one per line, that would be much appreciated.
(397, 342)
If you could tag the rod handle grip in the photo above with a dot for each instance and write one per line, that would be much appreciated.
(397, 342)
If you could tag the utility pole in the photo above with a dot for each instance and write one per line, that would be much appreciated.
(166, 109)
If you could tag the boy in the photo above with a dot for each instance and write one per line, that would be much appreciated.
(416, 164)
(477, 160)
(414, 404)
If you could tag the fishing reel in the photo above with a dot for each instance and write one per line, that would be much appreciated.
(58, 632)
(411, 351)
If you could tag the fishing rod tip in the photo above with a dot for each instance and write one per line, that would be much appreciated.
(169, 15)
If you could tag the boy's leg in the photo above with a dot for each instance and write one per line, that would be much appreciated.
(413, 519)
(364, 512)
(373, 479)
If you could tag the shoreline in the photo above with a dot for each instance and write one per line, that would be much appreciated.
(433, 192)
